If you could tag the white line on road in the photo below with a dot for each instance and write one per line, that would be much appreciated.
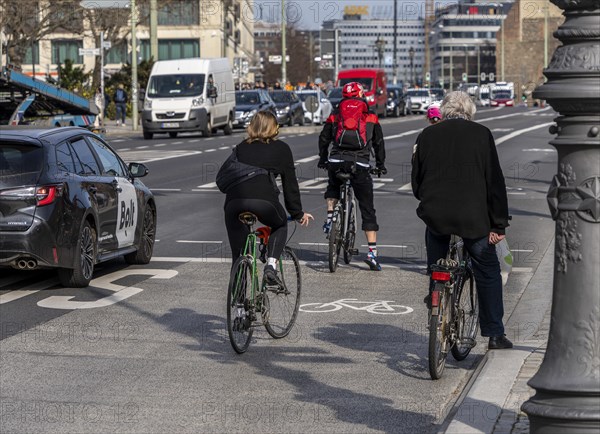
(521, 270)
(539, 150)
(28, 290)
(406, 133)
(160, 145)
(519, 132)
(516, 193)
(510, 115)
(313, 244)
(165, 189)
(223, 147)
(118, 140)
(308, 159)
(194, 141)
(500, 130)
(124, 149)
(521, 250)
(389, 246)
(177, 143)
(198, 242)
(406, 187)
(210, 150)
(142, 147)
(209, 185)
(169, 157)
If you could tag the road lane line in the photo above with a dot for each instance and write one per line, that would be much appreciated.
(209, 185)
(510, 115)
(177, 143)
(160, 145)
(519, 132)
(142, 147)
(118, 140)
(406, 133)
(124, 149)
(210, 150)
(307, 159)
(223, 147)
(539, 150)
(28, 290)
(313, 244)
(406, 187)
(389, 246)
(198, 242)
(165, 189)
(521, 250)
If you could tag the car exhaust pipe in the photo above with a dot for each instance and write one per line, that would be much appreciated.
(21, 264)
(31, 264)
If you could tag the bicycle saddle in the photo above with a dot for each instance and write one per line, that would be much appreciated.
(343, 176)
(248, 218)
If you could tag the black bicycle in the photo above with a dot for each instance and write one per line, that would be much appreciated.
(454, 314)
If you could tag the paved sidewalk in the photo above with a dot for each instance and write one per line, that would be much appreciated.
(493, 402)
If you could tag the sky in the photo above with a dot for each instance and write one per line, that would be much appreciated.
(309, 14)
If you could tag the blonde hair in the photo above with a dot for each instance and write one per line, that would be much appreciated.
(263, 126)
(458, 104)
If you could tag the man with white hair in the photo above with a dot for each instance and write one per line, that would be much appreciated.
(457, 178)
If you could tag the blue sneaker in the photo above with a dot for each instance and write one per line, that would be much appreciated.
(327, 227)
(372, 262)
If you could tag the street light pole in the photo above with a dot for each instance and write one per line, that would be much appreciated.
(395, 78)
(283, 45)
(567, 384)
(380, 44)
(478, 65)
(411, 54)
(451, 69)
(154, 29)
(134, 68)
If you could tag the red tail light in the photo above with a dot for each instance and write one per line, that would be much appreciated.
(263, 233)
(45, 195)
(440, 276)
(435, 298)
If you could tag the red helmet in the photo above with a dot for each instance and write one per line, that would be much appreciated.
(352, 89)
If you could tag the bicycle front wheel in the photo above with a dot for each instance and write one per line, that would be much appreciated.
(335, 241)
(467, 317)
(439, 333)
(239, 323)
(283, 303)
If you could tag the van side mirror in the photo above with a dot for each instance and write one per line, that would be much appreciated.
(212, 92)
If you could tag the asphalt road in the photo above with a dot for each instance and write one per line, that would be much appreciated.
(149, 352)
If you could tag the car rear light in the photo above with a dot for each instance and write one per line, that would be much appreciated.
(45, 195)
(440, 276)
(494, 103)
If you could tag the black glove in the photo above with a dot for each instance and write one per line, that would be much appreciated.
(323, 164)
(382, 170)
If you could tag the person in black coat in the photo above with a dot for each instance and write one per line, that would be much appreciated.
(457, 178)
(260, 196)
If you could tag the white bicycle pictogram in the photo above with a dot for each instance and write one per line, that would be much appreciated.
(380, 307)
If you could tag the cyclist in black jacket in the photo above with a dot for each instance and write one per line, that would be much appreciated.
(340, 159)
(260, 196)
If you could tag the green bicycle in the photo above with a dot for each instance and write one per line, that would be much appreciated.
(247, 299)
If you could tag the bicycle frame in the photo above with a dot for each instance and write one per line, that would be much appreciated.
(250, 252)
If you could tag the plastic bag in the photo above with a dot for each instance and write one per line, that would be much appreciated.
(505, 257)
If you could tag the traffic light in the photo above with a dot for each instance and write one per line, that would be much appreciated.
(464, 77)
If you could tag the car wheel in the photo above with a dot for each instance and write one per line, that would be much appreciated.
(207, 131)
(144, 252)
(290, 121)
(396, 112)
(148, 136)
(228, 130)
(173, 134)
(85, 258)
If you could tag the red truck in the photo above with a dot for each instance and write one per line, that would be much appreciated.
(374, 82)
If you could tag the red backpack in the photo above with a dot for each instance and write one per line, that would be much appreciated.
(351, 131)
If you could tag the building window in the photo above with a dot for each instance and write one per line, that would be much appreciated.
(66, 49)
(32, 55)
(170, 49)
(180, 13)
(117, 53)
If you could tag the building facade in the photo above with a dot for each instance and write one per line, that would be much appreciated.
(186, 28)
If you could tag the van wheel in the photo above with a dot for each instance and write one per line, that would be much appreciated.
(148, 136)
(85, 258)
(228, 130)
(302, 120)
(208, 130)
(173, 134)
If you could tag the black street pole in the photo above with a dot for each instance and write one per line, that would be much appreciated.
(567, 385)
(395, 78)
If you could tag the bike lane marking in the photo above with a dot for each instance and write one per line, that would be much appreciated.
(28, 290)
(378, 307)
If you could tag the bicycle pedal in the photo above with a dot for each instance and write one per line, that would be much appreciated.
(353, 252)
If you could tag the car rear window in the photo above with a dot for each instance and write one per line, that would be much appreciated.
(20, 164)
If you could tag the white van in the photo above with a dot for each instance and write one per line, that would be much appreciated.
(189, 95)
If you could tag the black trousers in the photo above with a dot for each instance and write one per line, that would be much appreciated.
(269, 213)
(362, 184)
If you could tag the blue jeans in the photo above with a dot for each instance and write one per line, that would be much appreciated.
(487, 277)
(121, 111)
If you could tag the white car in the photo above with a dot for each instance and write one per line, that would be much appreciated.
(317, 107)
(420, 100)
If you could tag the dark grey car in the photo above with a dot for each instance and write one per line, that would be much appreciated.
(68, 201)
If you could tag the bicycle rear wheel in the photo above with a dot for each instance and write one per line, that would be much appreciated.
(239, 323)
(351, 234)
(467, 317)
(283, 303)
(335, 239)
(439, 330)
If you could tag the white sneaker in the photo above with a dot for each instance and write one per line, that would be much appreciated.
(118, 123)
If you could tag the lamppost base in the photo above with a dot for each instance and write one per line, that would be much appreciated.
(556, 413)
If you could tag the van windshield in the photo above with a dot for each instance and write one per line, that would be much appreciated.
(176, 86)
(367, 83)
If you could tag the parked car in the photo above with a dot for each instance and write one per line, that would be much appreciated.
(437, 94)
(396, 105)
(68, 202)
(250, 102)
(335, 96)
(420, 99)
(289, 107)
(317, 107)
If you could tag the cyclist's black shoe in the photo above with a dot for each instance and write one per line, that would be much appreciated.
(427, 301)
(372, 262)
(271, 276)
(499, 343)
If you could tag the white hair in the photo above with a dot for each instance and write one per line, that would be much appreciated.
(458, 104)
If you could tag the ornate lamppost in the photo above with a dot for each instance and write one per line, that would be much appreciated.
(411, 55)
(567, 385)
(380, 45)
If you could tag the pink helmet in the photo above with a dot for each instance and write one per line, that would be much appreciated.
(434, 112)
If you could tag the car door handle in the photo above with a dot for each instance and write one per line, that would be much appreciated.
(92, 189)
(115, 184)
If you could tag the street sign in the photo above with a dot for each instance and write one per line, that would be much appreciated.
(107, 45)
(464, 77)
(427, 76)
(277, 59)
(88, 52)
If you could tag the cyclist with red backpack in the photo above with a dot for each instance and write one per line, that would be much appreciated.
(354, 134)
